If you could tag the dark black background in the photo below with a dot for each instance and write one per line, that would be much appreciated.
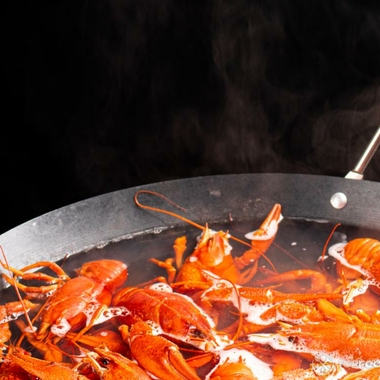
(104, 95)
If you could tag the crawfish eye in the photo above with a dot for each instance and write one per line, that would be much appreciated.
(104, 361)
(292, 339)
(196, 333)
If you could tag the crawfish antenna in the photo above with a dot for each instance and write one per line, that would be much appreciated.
(328, 241)
(30, 324)
(173, 214)
(162, 211)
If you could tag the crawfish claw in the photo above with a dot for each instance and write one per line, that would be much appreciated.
(158, 355)
(268, 228)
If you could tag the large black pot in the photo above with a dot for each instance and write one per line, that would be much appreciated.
(114, 217)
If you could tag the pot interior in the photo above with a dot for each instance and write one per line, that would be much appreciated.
(298, 245)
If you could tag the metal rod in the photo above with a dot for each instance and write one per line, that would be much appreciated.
(357, 172)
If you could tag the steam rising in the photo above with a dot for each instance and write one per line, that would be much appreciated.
(223, 87)
(126, 93)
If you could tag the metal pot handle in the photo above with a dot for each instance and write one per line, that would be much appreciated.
(357, 172)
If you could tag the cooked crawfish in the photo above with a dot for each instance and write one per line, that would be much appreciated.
(205, 322)
(213, 255)
(80, 301)
(359, 257)
(156, 319)
(262, 308)
(44, 370)
(350, 344)
(176, 315)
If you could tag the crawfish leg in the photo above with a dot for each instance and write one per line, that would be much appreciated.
(5, 335)
(36, 292)
(32, 291)
(318, 280)
(179, 247)
(23, 272)
(168, 265)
